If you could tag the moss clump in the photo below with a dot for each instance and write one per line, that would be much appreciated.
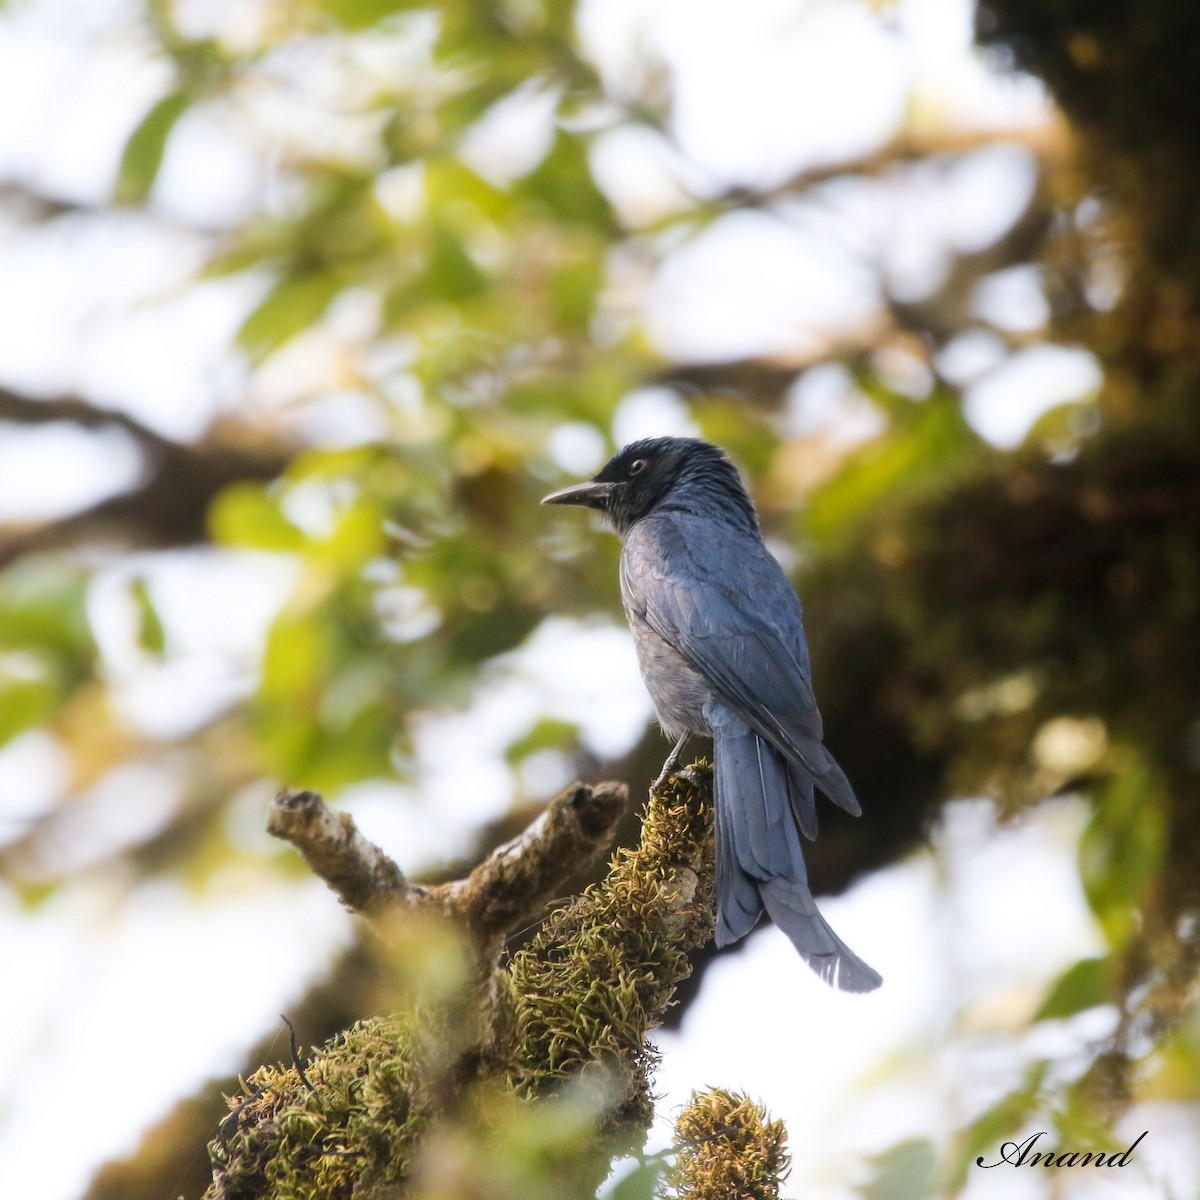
(348, 1131)
(727, 1147)
(602, 971)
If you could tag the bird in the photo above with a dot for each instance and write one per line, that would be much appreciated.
(720, 641)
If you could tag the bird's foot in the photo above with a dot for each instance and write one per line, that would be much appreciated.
(669, 766)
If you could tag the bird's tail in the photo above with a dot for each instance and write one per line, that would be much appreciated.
(759, 861)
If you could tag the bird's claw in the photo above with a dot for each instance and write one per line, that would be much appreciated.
(663, 776)
(668, 768)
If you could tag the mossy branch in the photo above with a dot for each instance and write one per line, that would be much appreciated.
(602, 971)
(551, 1055)
(517, 880)
(507, 890)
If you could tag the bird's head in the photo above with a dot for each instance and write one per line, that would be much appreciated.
(663, 474)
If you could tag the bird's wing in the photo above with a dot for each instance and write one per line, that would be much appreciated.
(726, 606)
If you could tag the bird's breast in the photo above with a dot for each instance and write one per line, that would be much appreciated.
(678, 690)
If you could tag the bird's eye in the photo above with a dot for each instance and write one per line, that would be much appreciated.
(638, 466)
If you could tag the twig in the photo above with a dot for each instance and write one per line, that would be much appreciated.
(296, 1061)
(364, 878)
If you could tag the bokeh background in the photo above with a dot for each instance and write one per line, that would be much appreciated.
(305, 303)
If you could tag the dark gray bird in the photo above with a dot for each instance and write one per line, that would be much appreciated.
(720, 640)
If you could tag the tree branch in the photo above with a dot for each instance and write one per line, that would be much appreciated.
(518, 879)
(362, 876)
(1048, 141)
(503, 892)
(169, 507)
(27, 410)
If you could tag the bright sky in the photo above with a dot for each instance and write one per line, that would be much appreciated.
(966, 934)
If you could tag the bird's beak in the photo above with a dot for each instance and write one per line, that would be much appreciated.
(588, 495)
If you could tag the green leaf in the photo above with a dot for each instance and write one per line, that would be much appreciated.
(146, 145)
(641, 1183)
(43, 606)
(25, 703)
(46, 644)
(151, 636)
(292, 305)
(563, 184)
(574, 288)
(450, 182)
(325, 710)
(1082, 986)
(1170, 1074)
(452, 275)
(926, 444)
(297, 658)
(547, 734)
(988, 1131)
(906, 1171)
(1122, 849)
(245, 515)
(362, 14)
(357, 536)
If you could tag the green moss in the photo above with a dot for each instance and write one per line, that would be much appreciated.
(602, 971)
(348, 1132)
(727, 1147)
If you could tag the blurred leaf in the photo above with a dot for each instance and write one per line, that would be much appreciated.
(563, 185)
(362, 14)
(452, 275)
(450, 182)
(1082, 986)
(46, 644)
(1170, 1074)
(357, 536)
(984, 1136)
(297, 655)
(574, 288)
(547, 734)
(245, 514)
(923, 448)
(146, 145)
(642, 1182)
(343, 223)
(296, 660)
(906, 1171)
(748, 435)
(43, 605)
(1122, 848)
(25, 702)
(1058, 428)
(1079, 1125)
(151, 635)
(292, 305)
